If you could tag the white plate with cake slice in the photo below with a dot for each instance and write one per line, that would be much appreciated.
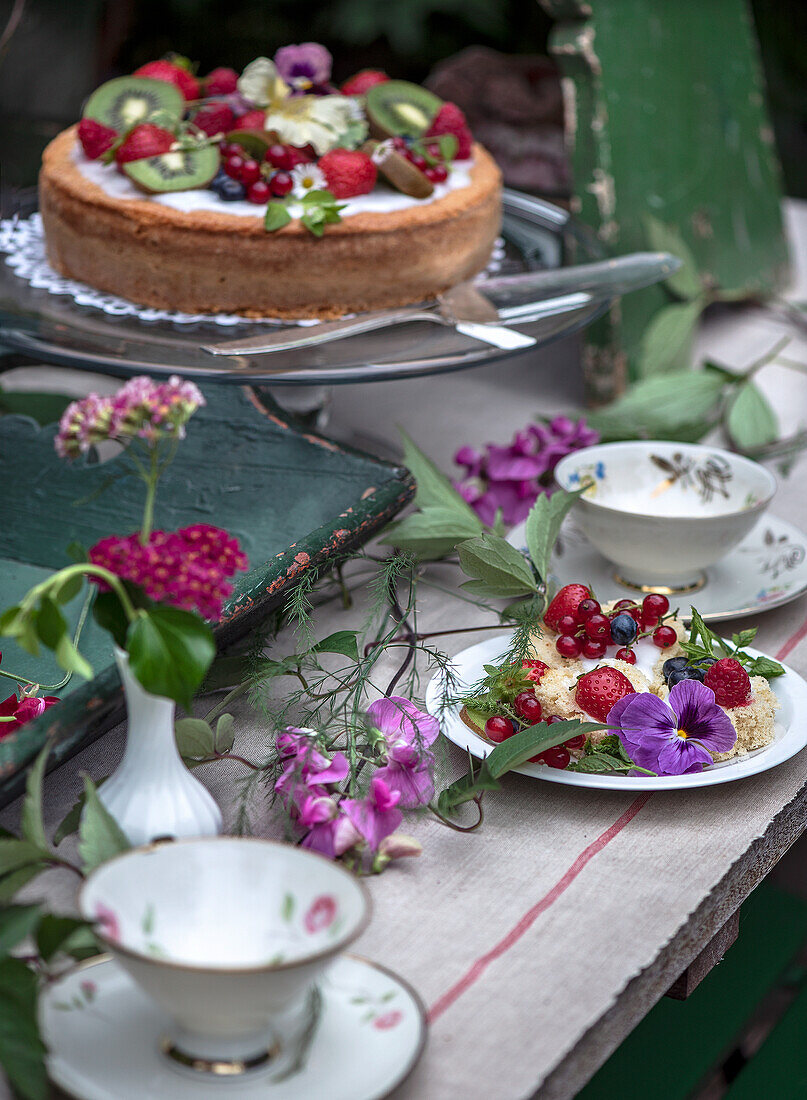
(790, 730)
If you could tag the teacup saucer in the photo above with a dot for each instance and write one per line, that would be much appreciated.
(767, 569)
(104, 1036)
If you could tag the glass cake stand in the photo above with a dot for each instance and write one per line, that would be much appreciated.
(55, 329)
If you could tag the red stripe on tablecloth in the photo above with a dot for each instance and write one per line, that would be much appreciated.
(792, 642)
(477, 969)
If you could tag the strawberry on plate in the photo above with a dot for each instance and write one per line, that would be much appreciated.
(450, 120)
(171, 74)
(145, 140)
(566, 602)
(597, 691)
(348, 173)
(360, 82)
(95, 138)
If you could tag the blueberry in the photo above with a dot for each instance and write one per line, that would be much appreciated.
(696, 674)
(679, 674)
(217, 180)
(624, 629)
(230, 190)
(674, 664)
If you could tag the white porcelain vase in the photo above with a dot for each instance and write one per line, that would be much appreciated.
(152, 793)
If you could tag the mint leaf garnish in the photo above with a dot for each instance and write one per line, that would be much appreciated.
(276, 217)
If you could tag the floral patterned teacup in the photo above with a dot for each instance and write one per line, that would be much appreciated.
(228, 935)
(662, 512)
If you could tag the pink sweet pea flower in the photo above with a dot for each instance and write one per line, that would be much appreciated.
(408, 732)
(375, 816)
(23, 710)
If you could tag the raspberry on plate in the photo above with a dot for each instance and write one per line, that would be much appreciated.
(252, 120)
(95, 138)
(171, 74)
(534, 669)
(145, 140)
(566, 602)
(597, 691)
(221, 81)
(348, 173)
(214, 118)
(729, 681)
(360, 82)
(450, 120)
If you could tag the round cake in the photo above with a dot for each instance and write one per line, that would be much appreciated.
(365, 219)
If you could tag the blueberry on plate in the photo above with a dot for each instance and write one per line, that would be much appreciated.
(624, 628)
(217, 180)
(673, 664)
(230, 190)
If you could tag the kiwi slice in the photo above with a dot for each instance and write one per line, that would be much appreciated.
(127, 100)
(400, 172)
(398, 108)
(179, 170)
(255, 142)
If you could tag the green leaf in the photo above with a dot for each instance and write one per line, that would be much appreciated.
(44, 408)
(11, 620)
(76, 552)
(169, 652)
(432, 533)
(32, 824)
(343, 641)
(110, 616)
(14, 881)
(18, 853)
(69, 588)
(543, 527)
(667, 341)
(51, 624)
(195, 738)
(72, 818)
(433, 487)
(67, 935)
(466, 788)
(276, 217)
(685, 282)
(22, 1052)
(516, 750)
(314, 221)
(70, 659)
(751, 422)
(663, 407)
(225, 733)
(17, 922)
(765, 666)
(99, 836)
(491, 559)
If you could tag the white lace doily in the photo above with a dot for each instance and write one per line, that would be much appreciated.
(23, 240)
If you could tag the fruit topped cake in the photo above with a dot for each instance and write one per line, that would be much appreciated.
(674, 700)
(269, 192)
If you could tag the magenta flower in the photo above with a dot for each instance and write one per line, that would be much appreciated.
(329, 832)
(508, 480)
(673, 739)
(186, 568)
(306, 67)
(16, 712)
(408, 733)
(377, 815)
(141, 409)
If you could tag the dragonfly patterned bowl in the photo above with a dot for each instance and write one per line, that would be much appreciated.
(229, 936)
(662, 512)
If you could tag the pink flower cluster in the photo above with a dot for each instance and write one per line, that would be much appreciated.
(23, 710)
(510, 479)
(141, 409)
(333, 824)
(186, 568)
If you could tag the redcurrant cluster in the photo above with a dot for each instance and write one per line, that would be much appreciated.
(589, 631)
(431, 166)
(242, 176)
(527, 711)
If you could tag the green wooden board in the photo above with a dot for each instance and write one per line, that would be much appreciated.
(665, 116)
(679, 1042)
(295, 500)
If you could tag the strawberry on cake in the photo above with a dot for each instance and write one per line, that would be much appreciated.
(269, 192)
(673, 700)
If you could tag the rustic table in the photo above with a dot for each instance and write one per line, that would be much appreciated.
(539, 941)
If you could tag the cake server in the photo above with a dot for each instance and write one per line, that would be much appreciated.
(478, 309)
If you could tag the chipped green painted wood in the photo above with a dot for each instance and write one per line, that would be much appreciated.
(295, 500)
(665, 116)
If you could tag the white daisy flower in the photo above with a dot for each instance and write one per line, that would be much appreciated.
(307, 177)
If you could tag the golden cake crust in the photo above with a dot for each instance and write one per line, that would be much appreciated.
(208, 262)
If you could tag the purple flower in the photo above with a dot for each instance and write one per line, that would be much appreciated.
(377, 815)
(306, 67)
(510, 479)
(306, 770)
(408, 732)
(329, 831)
(673, 739)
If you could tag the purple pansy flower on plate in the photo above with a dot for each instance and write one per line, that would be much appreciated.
(305, 67)
(673, 738)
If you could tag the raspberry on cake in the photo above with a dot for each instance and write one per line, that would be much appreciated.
(208, 217)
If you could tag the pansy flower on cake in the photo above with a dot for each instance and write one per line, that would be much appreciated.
(669, 701)
(210, 194)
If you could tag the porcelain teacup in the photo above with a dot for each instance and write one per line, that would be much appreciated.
(662, 512)
(228, 935)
